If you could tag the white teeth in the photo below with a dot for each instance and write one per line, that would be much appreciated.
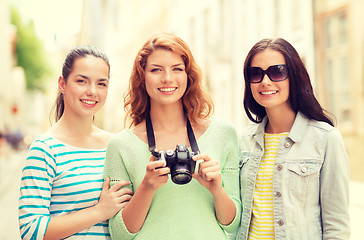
(268, 92)
(167, 89)
(88, 102)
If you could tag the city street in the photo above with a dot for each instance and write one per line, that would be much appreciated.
(10, 170)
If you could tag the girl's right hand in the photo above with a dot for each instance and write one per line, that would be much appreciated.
(156, 174)
(113, 199)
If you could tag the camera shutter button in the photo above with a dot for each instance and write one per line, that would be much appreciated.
(169, 153)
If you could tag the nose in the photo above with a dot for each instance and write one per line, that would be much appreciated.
(166, 76)
(266, 79)
(91, 90)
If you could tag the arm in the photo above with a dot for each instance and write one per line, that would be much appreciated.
(209, 176)
(111, 201)
(35, 191)
(136, 211)
(334, 196)
(35, 197)
(121, 155)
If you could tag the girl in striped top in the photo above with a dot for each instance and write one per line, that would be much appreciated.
(62, 192)
(294, 168)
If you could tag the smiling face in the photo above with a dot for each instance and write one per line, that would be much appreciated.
(269, 94)
(165, 77)
(85, 90)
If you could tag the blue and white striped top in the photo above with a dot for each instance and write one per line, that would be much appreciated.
(58, 179)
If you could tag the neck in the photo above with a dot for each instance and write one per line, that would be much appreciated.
(168, 118)
(280, 121)
(80, 127)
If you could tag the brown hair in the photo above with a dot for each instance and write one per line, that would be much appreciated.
(301, 95)
(196, 102)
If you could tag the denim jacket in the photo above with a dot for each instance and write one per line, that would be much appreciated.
(310, 181)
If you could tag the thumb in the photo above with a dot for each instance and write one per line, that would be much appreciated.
(106, 185)
(196, 176)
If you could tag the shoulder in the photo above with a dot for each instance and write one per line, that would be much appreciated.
(324, 128)
(249, 131)
(124, 137)
(44, 141)
(223, 124)
(246, 136)
(222, 129)
(103, 136)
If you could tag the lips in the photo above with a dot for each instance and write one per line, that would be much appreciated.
(88, 102)
(268, 92)
(167, 89)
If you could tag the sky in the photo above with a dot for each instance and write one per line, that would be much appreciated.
(53, 19)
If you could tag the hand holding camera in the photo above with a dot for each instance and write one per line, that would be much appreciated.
(156, 174)
(209, 174)
(180, 163)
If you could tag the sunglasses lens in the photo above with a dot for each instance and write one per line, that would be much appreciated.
(254, 74)
(277, 72)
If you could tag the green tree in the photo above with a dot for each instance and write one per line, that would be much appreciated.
(30, 54)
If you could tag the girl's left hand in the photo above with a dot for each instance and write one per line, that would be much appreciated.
(209, 173)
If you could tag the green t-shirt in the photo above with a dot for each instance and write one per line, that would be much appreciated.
(177, 211)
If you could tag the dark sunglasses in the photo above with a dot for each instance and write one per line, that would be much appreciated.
(276, 73)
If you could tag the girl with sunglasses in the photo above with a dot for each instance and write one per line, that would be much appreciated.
(294, 167)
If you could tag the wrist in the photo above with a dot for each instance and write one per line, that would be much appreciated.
(97, 213)
(218, 192)
(146, 188)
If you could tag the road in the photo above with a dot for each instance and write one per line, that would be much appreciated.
(10, 169)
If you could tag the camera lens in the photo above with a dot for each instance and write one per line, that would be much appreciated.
(181, 176)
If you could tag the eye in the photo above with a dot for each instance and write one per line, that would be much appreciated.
(103, 84)
(80, 81)
(155, 70)
(178, 69)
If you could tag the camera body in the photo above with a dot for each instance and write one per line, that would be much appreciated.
(179, 162)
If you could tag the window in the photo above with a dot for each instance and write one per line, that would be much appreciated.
(336, 63)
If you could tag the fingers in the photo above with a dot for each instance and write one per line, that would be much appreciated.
(123, 191)
(152, 158)
(208, 169)
(209, 172)
(204, 157)
(106, 185)
(158, 168)
(119, 184)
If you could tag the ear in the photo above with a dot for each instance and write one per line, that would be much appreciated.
(61, 84)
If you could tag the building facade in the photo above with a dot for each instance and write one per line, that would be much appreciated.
(339, 37)
(219, 32)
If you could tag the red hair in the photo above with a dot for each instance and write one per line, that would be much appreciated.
(196, 102)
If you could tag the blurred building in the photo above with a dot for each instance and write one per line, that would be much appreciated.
(12, 79)
(219, 32)
(328, 34)
(6, 65)
(339, 32)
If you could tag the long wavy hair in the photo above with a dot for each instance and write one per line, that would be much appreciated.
(196, 102)
(74, 54)
(301, 95)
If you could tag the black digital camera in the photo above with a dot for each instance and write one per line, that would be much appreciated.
(179, 162)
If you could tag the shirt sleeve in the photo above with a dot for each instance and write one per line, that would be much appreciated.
(230, 176)
(115, 169)
(335, 189)
(35, 191)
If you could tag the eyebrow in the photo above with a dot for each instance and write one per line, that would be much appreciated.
(83, 76)
(175, 65)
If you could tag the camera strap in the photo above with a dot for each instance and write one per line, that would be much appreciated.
(151, 138)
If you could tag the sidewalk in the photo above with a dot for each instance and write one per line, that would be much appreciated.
(356, 209)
